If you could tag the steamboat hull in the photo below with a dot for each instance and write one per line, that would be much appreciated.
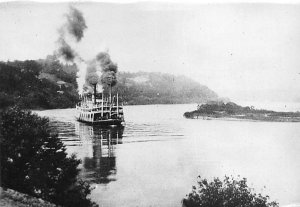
(107, 122)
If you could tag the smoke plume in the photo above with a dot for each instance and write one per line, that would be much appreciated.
(101, 70)
(76, 23)
(109, 78)
(92, 77)
(109, 69)
(74, 27)
(65, 51)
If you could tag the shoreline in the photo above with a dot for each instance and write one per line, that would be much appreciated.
(208, 118)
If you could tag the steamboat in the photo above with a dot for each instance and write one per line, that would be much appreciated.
(98, 109)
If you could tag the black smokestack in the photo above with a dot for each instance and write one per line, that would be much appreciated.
(76, 23)
(95, 91)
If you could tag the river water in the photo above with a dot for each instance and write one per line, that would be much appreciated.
(156, 157)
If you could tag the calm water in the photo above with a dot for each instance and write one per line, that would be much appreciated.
(155, 159)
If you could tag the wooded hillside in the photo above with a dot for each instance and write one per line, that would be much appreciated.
(47, 84)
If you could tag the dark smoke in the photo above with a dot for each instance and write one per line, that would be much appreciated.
(109, 69)
(75, 27)
(105, 62)
(65, 51)
(109, 78)
(92, 77)
(76, 23)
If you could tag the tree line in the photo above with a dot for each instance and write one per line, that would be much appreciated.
(34, 84)
(48, 84)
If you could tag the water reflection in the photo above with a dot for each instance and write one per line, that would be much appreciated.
(100, 165)
(163, 153)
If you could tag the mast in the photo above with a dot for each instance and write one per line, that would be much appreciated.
(117, 104)
(110, 93)
(102, 104)
(110, 104)
(94, 93)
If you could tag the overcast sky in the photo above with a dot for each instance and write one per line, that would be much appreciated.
(241, 51)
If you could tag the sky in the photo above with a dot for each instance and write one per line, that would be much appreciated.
(243, 51)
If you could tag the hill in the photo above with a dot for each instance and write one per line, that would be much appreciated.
(160, 88)
(48, 84)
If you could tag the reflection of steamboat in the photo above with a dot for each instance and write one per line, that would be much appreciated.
(100, 165)
(97, 109)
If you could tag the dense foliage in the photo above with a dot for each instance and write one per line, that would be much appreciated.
(34, 160)
(214, 108)
(227, 193)
(46, 84)
(35, 84)
(159, 88)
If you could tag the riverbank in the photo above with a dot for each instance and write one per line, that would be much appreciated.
(12, 198)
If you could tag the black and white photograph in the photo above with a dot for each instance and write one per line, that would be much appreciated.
(153, 103)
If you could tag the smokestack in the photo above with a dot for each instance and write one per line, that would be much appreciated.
(95, 90)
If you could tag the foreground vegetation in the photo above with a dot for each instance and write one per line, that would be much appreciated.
(34, 161)
(227, 193)
(234, 111)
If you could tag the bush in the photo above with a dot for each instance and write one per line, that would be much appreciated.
(34, 160)
(226, 193)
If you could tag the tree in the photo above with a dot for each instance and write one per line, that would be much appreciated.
(24, 83)
(226, 193)
(34, 160)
